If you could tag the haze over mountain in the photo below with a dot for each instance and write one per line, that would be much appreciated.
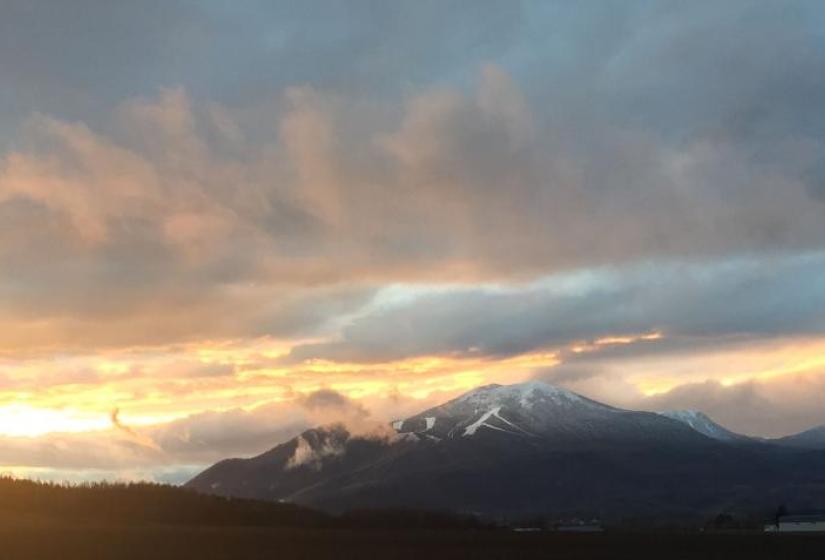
(530, 448)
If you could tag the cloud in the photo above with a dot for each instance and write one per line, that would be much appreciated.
(776, 407)
(198, 439)
(306, 454)
(130, 433)
(79, 451)
(687, 303)
(180, 220)
(210, 436)
(327, 399)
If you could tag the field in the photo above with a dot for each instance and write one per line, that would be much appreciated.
(241, 543)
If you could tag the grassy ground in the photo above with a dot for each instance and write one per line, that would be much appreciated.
(159, 543)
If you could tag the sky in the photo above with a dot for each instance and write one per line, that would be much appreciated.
(224, 222)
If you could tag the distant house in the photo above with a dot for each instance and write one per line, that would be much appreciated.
(806, 523)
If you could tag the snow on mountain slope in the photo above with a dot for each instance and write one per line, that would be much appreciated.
(702, 423)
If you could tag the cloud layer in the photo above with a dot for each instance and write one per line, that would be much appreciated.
(162, 223)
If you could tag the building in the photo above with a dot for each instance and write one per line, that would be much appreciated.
(807, 523)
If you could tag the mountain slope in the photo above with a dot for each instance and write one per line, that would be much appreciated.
(524, 449)
(702, 423)
(809, 439)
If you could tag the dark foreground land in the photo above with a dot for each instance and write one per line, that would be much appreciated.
(241, 543)
(155, 522)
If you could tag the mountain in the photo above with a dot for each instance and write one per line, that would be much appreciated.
(702, 423)
(527, 449)
(809, 439)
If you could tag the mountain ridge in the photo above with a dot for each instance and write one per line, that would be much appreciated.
(812, 438)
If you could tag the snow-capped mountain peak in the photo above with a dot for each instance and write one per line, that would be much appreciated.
(525, 394)
(524, 410)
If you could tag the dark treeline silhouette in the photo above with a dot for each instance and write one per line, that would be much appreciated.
(142, 502)
(160, 504)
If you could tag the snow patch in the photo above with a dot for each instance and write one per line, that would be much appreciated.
(430, 420)
(472, 428)
(503, 419)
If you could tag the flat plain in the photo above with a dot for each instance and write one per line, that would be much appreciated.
(97, 542)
